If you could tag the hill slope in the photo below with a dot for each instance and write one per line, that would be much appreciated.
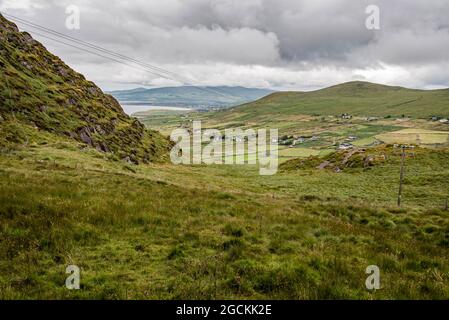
(39, 90)
(357, 98)
(192, 96)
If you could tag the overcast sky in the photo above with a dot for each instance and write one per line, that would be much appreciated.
(280, 44)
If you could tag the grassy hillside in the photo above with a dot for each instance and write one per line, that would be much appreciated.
(357, 98)
(164, 231)
(379, 114)
(38, 89)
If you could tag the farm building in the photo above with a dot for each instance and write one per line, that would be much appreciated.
(345, 146)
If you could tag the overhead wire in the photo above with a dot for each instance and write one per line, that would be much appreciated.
(116, 57)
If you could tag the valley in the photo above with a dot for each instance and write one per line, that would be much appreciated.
(84, 184)
(303, 135)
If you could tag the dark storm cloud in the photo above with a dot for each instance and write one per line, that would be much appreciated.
(268, 42)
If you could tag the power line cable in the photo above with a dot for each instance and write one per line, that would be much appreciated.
(90, 45)
(97, 54)
(152, 69)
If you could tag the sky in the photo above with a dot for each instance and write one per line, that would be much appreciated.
(279, 44)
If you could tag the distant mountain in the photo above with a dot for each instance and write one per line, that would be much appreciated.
(190, 96)
(357, 98)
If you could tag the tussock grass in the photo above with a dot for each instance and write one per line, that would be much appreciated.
(220, 232)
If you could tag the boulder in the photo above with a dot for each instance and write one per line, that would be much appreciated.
(85, 136)
(323, 165)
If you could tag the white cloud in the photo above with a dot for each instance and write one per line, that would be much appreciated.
(19, 4)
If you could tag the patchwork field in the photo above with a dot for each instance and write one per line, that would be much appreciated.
(322, 134)
(415, 136)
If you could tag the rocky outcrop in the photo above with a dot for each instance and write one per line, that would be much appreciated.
(340, 160)
(38, 88)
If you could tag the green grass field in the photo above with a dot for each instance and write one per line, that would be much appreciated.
(415, 136)
(217, 232)
(161, 231)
